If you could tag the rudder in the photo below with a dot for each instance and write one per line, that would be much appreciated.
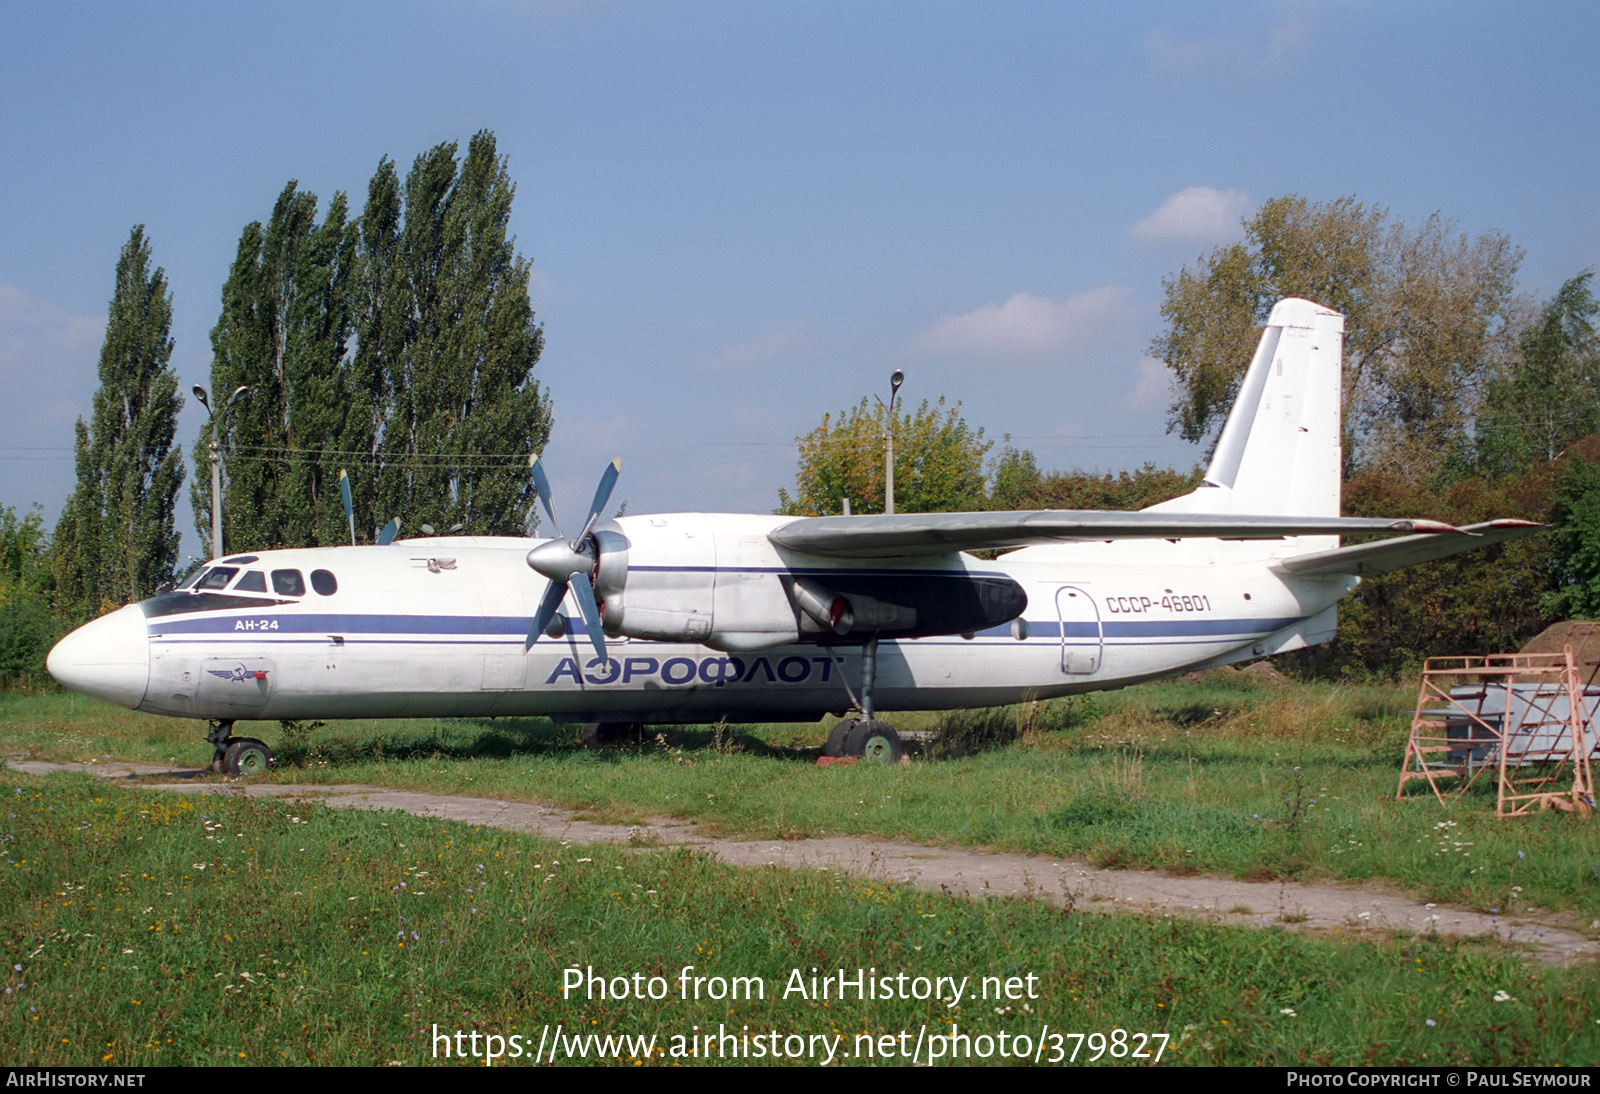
(1279, 452)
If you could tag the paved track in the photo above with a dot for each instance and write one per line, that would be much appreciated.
(1292, 905)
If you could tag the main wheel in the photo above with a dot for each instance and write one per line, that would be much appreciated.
(246, 756)
(837, 737)
(874, 742)
(606, 734)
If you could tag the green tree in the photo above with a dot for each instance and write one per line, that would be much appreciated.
(27, 628)
(1575, 538)
(1551, 397)
(1430, 320)
(1478, 602)
(447, 344)
(284, 333)
(115, 541)
(938, 463)
(1019, 484)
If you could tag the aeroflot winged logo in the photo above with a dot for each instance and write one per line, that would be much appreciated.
(240, 675)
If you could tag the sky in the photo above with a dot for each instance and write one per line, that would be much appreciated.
(743, 216)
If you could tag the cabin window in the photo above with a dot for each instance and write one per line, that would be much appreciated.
(254, 581)
(324, 582)
(288, 583)
(217, 577)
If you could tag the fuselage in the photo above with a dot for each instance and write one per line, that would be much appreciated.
(437, 627)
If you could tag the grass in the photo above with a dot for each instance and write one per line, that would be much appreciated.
(1229, 776)
(151, 929)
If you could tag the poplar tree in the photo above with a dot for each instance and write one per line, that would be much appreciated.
(284, 333)
(447, 345)
(115, 541)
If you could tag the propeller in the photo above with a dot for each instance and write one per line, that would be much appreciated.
(560, 559)
(385, 536)
(349, 506)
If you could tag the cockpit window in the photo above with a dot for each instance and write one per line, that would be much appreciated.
(254, 581)
(324, 582)
(217, 577)
(288, 583)
(192, 578)
(241, 560)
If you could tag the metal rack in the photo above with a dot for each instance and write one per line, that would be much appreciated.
(1524, 717)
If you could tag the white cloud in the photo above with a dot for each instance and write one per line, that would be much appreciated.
(1028, 326)
(544, 290)
(1151, 387)
(791, 337)
(1195, 215)
(1170, 51)
(48, 372)
(1277, 37)
(26, 319)
(1289, 36)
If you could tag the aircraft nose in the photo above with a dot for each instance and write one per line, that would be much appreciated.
(108, 658)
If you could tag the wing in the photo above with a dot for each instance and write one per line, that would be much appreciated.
(939, 533)
(1367, 559)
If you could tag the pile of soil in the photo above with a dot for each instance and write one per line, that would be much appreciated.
(1260, 671)
(1582, 636)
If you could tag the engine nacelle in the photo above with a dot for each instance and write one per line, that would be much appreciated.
(655, 580)
(714, 580)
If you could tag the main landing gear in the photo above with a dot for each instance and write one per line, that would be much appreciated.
(863, 736)
(236, 755)
(606, 734)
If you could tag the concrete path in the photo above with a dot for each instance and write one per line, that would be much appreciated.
(1292, 905)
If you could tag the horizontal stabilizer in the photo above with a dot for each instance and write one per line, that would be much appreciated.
(912, 534)
(1367, 559)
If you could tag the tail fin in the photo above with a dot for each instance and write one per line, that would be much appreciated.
(1279, 452)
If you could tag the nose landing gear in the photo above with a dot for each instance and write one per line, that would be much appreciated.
(236, 755)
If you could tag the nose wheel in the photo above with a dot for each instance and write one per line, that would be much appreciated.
(236, 755)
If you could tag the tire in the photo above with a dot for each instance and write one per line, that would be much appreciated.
(246, 756)
(609, 734)
(837, 737)
(874, 742)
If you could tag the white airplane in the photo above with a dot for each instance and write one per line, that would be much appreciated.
(693, 617)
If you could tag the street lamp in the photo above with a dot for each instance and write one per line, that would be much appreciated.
(895, 380)
(215, 451)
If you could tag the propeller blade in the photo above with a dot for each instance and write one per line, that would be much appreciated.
(349, 506)
(591, 614)
(602, 494)
(390, 530)
(541, 486)
(547, 612)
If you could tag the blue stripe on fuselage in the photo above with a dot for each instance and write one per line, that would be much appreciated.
(464, 625)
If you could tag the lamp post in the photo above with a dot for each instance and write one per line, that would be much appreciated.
(895, 380)
(214, 449)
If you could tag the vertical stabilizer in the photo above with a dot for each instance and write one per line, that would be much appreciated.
(1279, 452)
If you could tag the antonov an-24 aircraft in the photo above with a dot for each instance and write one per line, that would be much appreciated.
(691, 617)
